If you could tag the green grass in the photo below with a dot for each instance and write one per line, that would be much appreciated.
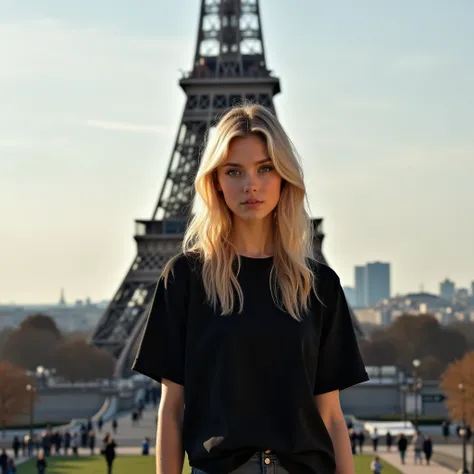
(146, 465)
(92, 465)
(362, 465)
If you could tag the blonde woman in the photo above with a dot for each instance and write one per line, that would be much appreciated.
(247, 331)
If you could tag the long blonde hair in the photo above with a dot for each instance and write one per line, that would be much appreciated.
(291, 279)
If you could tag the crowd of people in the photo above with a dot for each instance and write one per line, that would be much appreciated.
(422, 445)
(56, 443)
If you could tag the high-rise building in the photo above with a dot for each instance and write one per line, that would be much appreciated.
(360, 285)
(472, 289)
(349, 291)
(377, 282)
(447, 289)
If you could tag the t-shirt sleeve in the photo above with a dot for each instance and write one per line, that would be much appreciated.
(340, 363)
(161, 352)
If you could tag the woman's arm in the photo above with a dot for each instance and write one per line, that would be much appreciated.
(169, 447)
(329, 408)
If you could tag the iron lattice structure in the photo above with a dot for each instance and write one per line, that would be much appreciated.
(229, 67)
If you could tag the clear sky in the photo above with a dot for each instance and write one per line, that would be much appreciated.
(378, 97)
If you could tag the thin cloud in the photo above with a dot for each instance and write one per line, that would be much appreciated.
(127, 127)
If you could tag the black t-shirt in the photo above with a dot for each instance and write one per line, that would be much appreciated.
(250, 378)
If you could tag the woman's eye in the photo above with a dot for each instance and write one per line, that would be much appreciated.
(233, 172)
(266, 169)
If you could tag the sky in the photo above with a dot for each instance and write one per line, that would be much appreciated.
(377, 96)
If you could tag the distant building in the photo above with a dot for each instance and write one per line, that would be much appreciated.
(372, 283)
(377, 282)
(360, 287)
(349, 291)
(62, 298)
(447, 289)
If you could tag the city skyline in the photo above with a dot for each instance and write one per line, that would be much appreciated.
(377, 101)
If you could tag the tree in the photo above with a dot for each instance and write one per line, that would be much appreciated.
(460, 401)
(466, 328)
(378, 352)
(415, 337)
(77, 361)
(41, 322)
(458, 384)
(29, 347)
(5, 334)
(14, 397)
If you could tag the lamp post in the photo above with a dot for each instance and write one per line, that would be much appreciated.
(31, 390)
(416, 388)
(404, 390)
(463, 430)
(40, 374)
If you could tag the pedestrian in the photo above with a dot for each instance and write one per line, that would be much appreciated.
(428, 449)
(389, 440)
(11, 468)
(376, 466)
(361, 439)
(92, 441)
(114, 425)
(402, 447)
(445, 430)
(3, 461)
(108, 451)
(41, 463)
(247, 327)
(146, 447)
(353, 439)
(375, 439)
(16, 446)
(418, 441)
(75, 444)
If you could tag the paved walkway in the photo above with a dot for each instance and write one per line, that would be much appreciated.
(131, 435)
(409, 467)
(454, 450)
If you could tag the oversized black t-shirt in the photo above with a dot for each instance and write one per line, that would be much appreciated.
(250, 378)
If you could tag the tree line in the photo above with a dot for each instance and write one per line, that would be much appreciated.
(39, 342)
(420, 337)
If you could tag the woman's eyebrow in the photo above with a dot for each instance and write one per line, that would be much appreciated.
(237, 165)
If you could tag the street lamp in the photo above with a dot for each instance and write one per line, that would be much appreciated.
(404, 389)
(40, 374)
(463, 430)
(416, 388)
(31, 390)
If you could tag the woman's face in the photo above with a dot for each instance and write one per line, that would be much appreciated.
(247, 179)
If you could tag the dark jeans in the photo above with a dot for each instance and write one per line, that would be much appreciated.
(259, 463)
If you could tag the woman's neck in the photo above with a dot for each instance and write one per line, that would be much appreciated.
(253, 238)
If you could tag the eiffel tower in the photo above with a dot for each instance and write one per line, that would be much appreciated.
(229, 67)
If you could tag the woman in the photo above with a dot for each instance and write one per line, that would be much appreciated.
(109, 452)
(41, 463)
(246, 329)
(428, 449)
(402, 447)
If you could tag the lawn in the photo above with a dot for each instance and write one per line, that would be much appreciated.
(362, 465)
(92, 465)
(146, 465)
